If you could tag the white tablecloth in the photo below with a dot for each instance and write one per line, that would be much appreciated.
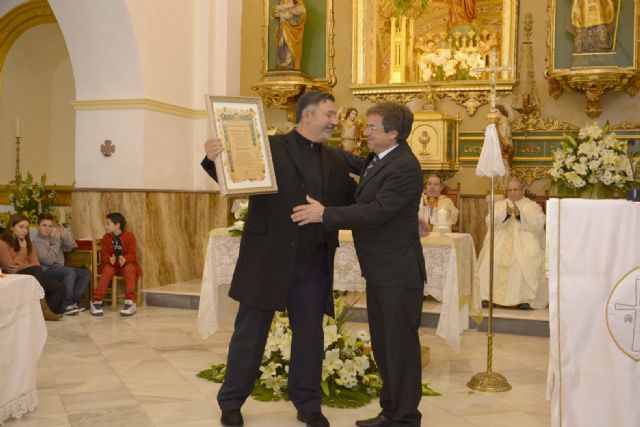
(22, 338)
(451, 278)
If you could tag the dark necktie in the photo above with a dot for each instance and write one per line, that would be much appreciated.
(371, 165)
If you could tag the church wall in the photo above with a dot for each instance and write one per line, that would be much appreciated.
(37, 84)
(170, 228)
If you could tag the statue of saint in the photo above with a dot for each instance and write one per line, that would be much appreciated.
(350, 130)
(462, 13)
(592, 25)
(291, 16)
(506, 143)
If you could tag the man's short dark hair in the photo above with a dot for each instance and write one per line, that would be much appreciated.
(311, 98)
(394, 117)
(117, 218)
(44, 216)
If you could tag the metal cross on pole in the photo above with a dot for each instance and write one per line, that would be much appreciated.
(493, 69)
(489, 380)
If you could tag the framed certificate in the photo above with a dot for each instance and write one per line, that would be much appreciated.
(245, 166)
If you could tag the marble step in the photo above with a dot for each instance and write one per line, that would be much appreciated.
(186, 295)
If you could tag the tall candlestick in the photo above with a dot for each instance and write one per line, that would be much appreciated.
(17, 127)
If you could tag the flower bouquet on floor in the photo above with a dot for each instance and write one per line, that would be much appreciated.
(592, 164)
(350, 376)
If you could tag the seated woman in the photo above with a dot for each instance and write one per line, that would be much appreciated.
(17, 255)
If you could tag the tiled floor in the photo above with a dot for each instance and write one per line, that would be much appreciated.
(140, 371)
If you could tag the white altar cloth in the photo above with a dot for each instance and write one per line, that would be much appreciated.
(451, 278)
(594, 312)
(22, 338)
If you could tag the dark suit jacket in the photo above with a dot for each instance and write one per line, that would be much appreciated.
(384, 219)
(268, 246)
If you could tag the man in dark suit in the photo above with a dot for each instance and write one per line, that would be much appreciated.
(282, 266)
(384, 221)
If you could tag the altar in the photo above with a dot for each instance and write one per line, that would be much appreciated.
(23, 335)
(451, 279)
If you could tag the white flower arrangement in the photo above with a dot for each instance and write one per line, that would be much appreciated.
(239, 210)
(444, 65)
(593, 163)
(349, 374)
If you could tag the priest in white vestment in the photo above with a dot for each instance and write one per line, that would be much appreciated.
(519, 252)
(431, 202)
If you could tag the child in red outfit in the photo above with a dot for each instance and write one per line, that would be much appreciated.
(118, 256)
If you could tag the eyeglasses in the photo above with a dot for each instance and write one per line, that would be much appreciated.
(371, 128)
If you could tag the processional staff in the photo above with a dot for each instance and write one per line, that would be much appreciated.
(490, 164)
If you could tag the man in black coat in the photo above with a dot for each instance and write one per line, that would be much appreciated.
(384, 222)
(283, 266)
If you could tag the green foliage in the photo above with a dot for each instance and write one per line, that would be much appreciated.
(4, 218)
(402, 6)
(30, 197)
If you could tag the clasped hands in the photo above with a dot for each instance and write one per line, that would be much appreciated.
(121, 260)
(513, 210)
(309, 213)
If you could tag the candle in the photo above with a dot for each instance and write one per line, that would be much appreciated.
(442, 217)
(17, 127)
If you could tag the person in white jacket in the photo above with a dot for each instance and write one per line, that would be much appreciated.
(519, 252)
(431, 201)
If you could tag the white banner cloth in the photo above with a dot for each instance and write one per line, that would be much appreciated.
(490, 162)
(594, 312)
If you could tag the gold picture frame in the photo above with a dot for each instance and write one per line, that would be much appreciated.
(573, 65)
(245, 166)
(373, 44)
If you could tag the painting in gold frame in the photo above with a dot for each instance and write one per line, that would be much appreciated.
(592, 51)
(318, 54)
(374, 77)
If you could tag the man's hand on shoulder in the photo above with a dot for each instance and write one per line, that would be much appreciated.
(213, 147)
(309, 213)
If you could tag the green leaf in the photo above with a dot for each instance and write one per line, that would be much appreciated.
(325, 388)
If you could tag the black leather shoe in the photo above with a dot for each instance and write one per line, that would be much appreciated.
(313, 419)
(524, 306)
(379, 421)
(232, 418)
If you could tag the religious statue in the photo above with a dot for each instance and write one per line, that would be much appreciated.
(350, 130)
(506, 144)
(462, 13)
(291, 16)
(592, 25)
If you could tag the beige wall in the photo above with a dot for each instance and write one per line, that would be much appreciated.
(37, 84)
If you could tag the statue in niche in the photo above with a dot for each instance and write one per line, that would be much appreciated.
(291, 16)
(506, 143)
(350, 130)
(592, 25)
(462, 13)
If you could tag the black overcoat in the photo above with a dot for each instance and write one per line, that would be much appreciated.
(268, 245)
